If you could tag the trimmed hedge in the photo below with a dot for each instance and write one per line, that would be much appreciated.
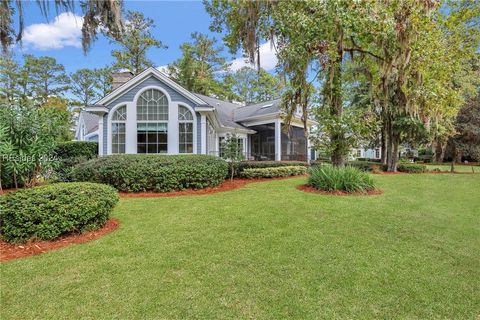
(240, 166)
(76, 149)
(47, 212)
(70, 154)
(367, 166)
(411, 168)
(160, 173)
(348, 179)
(273, 172)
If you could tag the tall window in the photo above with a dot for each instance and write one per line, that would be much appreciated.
(119, 118)
(185, 130)
(221, 144)
(377, 153)
(359, 153)
(152, 122)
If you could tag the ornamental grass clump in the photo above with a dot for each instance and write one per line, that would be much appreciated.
(347, 179)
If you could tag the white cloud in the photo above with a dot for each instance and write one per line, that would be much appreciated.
(268, 59)
(163, 69)
(64, 31)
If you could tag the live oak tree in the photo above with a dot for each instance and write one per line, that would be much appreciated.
(414, 56)
(135, 40)
(97, 14)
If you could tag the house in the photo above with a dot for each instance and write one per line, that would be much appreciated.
(150, 113)
(368, 153)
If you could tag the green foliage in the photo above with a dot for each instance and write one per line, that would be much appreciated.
(411, 168)
(160, 173)
(70, 154)
(199, 67)
(135, 41)
(243, 165)
(29, 135)
(232, 152)
(47, 212)
(86, 86)
(348, 179)
(74, 149)
(367, 166)
(252, 86)
(273, 172)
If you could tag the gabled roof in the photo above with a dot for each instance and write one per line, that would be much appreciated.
(143, 75)
(271, 107)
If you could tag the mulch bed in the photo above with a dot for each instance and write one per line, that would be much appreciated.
(10, 251)
(307, 188)
(227, 185)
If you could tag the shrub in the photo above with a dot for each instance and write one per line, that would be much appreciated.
(161, 173)
(70, 154)
(267, 164)
(348, 179)
(252, 173)
(50, 211)
(77, 149)
(367, 166)
(411, 168)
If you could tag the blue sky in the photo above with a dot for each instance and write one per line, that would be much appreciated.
(59, 36)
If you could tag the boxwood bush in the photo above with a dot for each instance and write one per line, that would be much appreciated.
(411, 168)
(47, 212)
(70, 154)
(160, 173)
(348, 179)
(267, 164)
(273, 172)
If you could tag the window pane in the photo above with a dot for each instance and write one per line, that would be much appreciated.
(152, 138)
(118, 137)
(185, 137)
(184, 113)
(152, 105)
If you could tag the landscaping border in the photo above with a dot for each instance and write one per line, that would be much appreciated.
(10, 251)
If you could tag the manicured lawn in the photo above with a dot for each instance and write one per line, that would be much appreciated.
(269, 251)
(458, 168)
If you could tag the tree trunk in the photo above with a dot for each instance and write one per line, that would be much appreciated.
(439, 150)
(384, 144)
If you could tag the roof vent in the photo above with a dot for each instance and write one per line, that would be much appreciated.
(266, 106)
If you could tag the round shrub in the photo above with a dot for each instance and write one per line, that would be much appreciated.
(77, 149)
(47, 212)
(412, 168)
(160, 173)
(348, 179)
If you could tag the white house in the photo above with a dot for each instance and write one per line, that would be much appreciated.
(150, 113)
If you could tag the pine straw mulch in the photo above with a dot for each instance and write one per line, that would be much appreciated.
(9, 251)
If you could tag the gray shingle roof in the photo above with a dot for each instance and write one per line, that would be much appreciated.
(90, 120)
(225, 111)
(258, 109)
(230, 114)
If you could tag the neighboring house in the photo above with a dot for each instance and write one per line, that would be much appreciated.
(87, 127)
(150, 113)
(370, 153)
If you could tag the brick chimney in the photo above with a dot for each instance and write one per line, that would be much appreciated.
(119, 78)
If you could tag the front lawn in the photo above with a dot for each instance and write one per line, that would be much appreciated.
(269, 251)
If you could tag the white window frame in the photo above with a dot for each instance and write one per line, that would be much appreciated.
(110, 127)
(192, 121)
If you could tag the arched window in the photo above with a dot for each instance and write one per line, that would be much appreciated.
(119, 118)
(152, 122)
(185, 130)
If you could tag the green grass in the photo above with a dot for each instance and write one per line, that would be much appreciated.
(458, 167)
(269, 251)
